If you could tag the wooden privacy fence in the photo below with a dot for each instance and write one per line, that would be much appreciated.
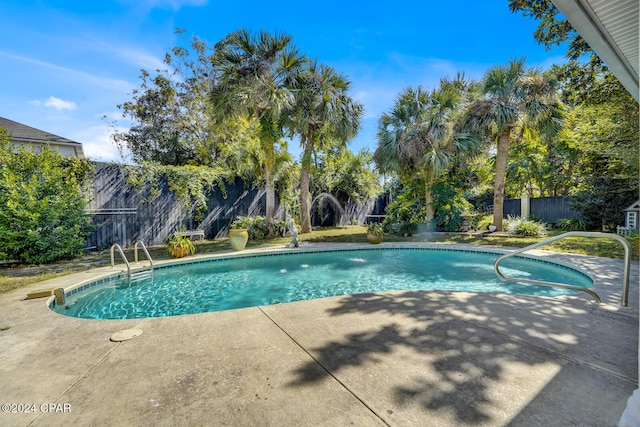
(547, 209)
(124, 215)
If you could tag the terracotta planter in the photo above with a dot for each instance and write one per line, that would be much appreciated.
(238, 238)
(179, 252)
(374, 238)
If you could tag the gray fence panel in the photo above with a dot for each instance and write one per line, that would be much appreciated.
(551, 209)
(123, 215)
(511, 207)
(548, 209)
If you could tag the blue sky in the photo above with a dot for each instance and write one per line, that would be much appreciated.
(66, 64)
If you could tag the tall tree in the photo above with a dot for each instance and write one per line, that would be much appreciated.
(602, 133)
(172, 121)
(324, 115)
(604, 138)
(255, 75)
(418, 135)
(515, 98)
(583, 81)
(553, 28)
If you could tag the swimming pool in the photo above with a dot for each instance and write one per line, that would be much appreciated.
(217, 284)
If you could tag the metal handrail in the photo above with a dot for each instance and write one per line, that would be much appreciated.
(113, 263)
(625, 278)
(144, 249)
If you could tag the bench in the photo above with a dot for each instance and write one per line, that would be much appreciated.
(193, 234)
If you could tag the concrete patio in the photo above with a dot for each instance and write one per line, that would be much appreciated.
(406, 358)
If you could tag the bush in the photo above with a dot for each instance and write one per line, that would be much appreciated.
(525, 227)
(573, 224)
(484, 222)
(407, 228)
(449, 203)
(281, 227)
(406, 211)
(634, 240)
(44, 198)
(256, 226)
(601, 204)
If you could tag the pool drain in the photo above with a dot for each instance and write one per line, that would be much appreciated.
(126, 335)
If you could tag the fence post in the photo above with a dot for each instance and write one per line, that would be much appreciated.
(524, 205)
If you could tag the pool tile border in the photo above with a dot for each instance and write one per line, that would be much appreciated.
(74, 289)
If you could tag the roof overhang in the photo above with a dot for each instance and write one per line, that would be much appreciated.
(611, 29)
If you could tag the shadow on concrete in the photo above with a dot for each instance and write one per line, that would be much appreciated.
(469, 345)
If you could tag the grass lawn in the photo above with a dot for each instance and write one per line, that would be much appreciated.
(13, 276)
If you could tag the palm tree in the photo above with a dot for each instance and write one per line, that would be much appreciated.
(324, 116)
(515, 98)
(255, 73)
(418, 137)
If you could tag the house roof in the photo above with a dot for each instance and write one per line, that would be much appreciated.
(611, 29)
(23, 134)
(633, 207)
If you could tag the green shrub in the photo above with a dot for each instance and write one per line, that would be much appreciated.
(407, 228)
(484, 222)
(534, 218)
(573, 224)
(44, 198)
(449, 203)
(602, 199)
(525, 227)
(406, 211)
(281, 227)
(256, 226)
(634, 240)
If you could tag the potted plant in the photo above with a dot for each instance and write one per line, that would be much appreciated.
(375, 232)
(238, 236)
(180, 245)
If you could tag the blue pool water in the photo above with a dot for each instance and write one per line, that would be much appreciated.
(223, 284)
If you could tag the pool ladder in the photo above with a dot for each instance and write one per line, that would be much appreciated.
(625, 278)
(117, 247)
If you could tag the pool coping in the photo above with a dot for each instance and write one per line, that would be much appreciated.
(266, 252)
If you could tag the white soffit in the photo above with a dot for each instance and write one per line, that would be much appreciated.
(611, 29)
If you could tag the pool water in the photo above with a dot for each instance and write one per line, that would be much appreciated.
(223, 284)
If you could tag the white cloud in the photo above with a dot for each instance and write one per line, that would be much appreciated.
(97, 144)
(59, 104)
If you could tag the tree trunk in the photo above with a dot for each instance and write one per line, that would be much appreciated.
(305, 209)
(501, 169)
(271, 202)
(267, 143)
(429, 199)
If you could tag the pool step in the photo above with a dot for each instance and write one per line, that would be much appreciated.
(138, 276)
